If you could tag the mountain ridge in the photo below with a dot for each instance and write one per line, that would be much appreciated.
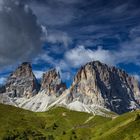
(97, 88)
(105, 82)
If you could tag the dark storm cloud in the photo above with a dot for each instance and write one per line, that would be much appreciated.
(55, 12)
(93, 11)
(20, 35)
(88, 19)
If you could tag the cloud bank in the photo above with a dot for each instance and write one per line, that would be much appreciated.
(20, 34)
(128, 53)
(80, 56)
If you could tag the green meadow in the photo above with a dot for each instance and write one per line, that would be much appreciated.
(62, 124)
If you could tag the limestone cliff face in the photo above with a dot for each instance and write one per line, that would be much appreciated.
(22, 82)
(97, 88)
(52, 83)
(108, 87)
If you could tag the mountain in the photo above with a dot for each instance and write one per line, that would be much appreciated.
(108, 87)
(62, 124)
(51, 89)
(22, 82)
(52, 84)
(97, 88)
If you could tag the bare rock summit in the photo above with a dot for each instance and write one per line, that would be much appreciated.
(97, 88)
(22, 82)
(108, 87)
(52, 83)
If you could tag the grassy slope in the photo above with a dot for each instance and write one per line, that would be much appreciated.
(60, 123)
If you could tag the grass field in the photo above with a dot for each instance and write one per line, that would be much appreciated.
(63, 124)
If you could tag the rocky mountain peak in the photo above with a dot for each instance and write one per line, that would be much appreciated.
(109, 87)
(87, 71)
(97, 88)
(22, 82)
(24, 69)
(52, 83)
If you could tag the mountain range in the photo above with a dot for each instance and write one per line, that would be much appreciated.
(96, 88)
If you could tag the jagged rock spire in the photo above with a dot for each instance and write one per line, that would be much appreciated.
(96, 88)
(22, 82)
(52, 83)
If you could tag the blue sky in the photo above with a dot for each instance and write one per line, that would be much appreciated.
(67, 34)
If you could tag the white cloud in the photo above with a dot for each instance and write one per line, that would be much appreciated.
(129, 52)
(65, 75)
(80, 55)
(2, 80)
(54, 12)
(55, 36)
(46, 58)
(38, 74)
(137, 77)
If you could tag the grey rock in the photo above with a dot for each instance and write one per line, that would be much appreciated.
(22, 82)
(108, 87)
(52, 83)
(97, 88)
